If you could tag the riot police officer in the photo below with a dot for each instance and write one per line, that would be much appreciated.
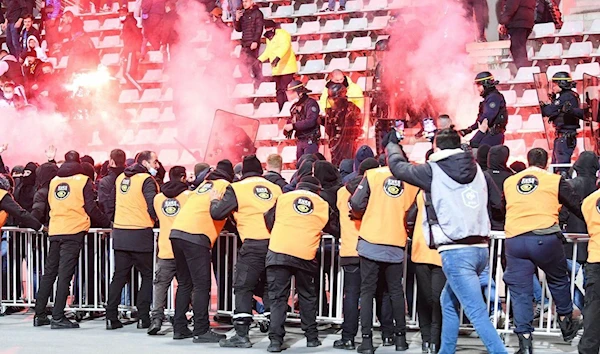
(305, 119)
(492, 112)
(380, 105)
(564, 113)
(343, 124)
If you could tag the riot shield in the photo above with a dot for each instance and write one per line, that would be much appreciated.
(591, 97)
(231, 137)
(542, 87)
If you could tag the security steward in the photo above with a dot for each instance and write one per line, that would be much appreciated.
(381, 202)
(295, 223)
(564, 113)
(590, 341)
(493, 116)
(305, 119)
(133, 237)
(247, 200)
(349, 261)
(72, 210)
(534, 239)
(193, 235)
(167, 204)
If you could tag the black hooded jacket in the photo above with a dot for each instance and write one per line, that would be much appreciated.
(172, 189)
(21, 216)
(331, 182)
(584, 184)
(26, 190)
(497, 173)
(107, 191)
(41, 208)
(346, 167)
(275, 177)
(304, 169)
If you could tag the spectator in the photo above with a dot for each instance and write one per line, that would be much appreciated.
(482, 156)
(331, 182)
(78, 46)
(27, 31)
(32, 69)
(346, 168)
(280, 54)
(363, 153)
(170, 19)
(42, 84)
(153, 12)
(201, 170)
(26, 190)
(44, 174)
(106, 186)
(51, 12)
(273, 173)
(10, 69)
(354, 92)
(249, 21)
(131, 35)
(33, 46)
(479, 10)
(12, 20)
(517, 19)
(217, 17)
(331, 6)
(518, 166)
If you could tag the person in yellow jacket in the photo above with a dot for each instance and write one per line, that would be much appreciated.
(168, 203)
(590, 341)
(280, 54)
(247, 200)
(72, 211)
(295, 223)
(381, 202)
(353, 91)
(133, 237)
(534, 239)
(193, 235)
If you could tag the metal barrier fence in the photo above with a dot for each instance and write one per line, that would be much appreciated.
(24, 251)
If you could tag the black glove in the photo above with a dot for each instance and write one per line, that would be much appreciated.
(275, 61)
(390, 137)
(567, 107)
(543, 104)
(464, 132)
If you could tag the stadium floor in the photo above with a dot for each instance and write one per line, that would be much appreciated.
(19, 336)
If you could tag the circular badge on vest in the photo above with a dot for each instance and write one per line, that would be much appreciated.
(598, 205)
(393, 187)
(171, 207)
(62, 191)
(262, 192)
(204, 188)
(303, 206)
(527, 184)
(125, 184)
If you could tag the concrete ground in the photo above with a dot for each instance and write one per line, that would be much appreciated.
(17, 335)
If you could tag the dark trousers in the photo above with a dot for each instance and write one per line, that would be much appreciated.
(304, 147)
(518, 45)
(562, 151)
(524, 254)
(370, 272)
(124, 261)
(152, 31)
(279, 280)
(249, 276)
(351, 309)
(163, 277)
(486, 139)
(281, 84)
(590, 342)
(430, 283)
(250, 58)
(194, 280)
(61, 262)
(478, 8)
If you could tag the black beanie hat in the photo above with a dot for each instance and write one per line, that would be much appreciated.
(251, 164)
(226, 167)
(367, 164)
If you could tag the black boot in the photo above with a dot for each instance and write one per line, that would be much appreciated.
(209, 337)
(434, 348)
(366, 347)
(186, 333)
(155, 326)
(401, 344)
(569, 327)
(39, 321)
(274, 347)
(425, 348)
(143, 323)
(113, 324)
(240, 339)
(63, 323)
(525, 345)
(344, 344)
(313, 343)
(387, 341)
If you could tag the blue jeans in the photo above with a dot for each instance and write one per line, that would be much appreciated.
(484, 277)
(331, 5)
(462, 267)
(537, 291)
(12, 39)
(578, 295)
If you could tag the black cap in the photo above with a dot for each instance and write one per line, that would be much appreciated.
(226, 167)
(251, 164)
(270, 24)
(298, 86)
(367, 164)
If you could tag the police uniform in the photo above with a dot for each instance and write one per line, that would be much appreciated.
(248, 200)
(193, 235)
(296, 223)
(305, 120)
(167, 204)
(72, 208)
(590, 341)
(133, 241)
(534, 239)
(381, 201)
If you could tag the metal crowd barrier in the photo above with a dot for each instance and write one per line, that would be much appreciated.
(24, 251)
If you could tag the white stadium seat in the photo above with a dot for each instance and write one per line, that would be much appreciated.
(514, 123)
(267, 110)
(288, 154)
(309, 28)
(246, 109)
(534, 124)
(129, 96)
(525, 75)
(336, 45)
(571, 28)
(284, 11)
(529, 99)
(553, 69)
(151, 95)
(266, 89)
(332, 26)
(291, 28)
(307, 10)
(243, 90)
(510, 96)
(313, 66)
(579, 50)
(542, 30)
(263, 152)
(588, 68)
(338, 64)
(549, 51)
(357, 24)
(361, 43)
(502, 75)
(316, 86)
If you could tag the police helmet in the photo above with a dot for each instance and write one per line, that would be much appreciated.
(564, 80)
(486, 79)
(298, 86)
(382, 45)
(337, 91)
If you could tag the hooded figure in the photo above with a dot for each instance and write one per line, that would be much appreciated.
(26, 190)
(496, 161)
(584, 184)
(346, 167)
(363, 153)
(482, 156)
(330, 181)
(44, 174)
(33, 45)
(305, 169)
